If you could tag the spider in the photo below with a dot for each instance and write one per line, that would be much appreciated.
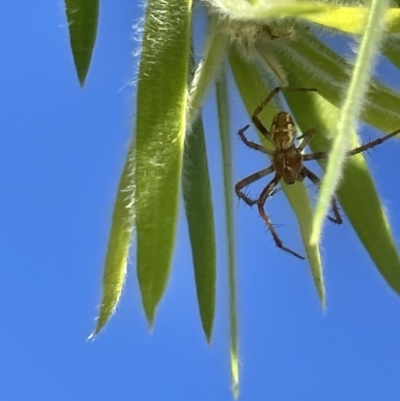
(287, 160)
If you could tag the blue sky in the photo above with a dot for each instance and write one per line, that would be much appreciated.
(61, 154)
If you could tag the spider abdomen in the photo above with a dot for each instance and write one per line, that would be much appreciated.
(288, 164)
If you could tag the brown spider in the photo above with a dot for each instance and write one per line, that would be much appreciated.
(287, 160)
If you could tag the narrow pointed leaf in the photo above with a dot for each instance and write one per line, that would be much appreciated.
(226, 147)
(161, 118)
(252, 88)
(200, 218)
(82, 16)
(118, 245)
(208, 68)
(365, 212)
(351, 108)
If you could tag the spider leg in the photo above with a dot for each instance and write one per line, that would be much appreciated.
(315, 156)
(265, 194)
(259, 109)
(251, 144)
(249, 180)
(307, 136)
(363, 148)
(372, 144)
(337, 219)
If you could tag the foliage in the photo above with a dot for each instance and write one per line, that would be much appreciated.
(266, 43)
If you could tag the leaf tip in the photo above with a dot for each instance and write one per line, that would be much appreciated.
(81, 78)
(235, 374)
(150, 316)
(319, 282)
(209, 337)
(208, 329)
(99, 325)
(323, 302)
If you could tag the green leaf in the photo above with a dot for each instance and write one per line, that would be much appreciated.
(207, 70)
(82, 18)
(350, 111)
(353, 19)
(252, 89)
(321, 68)
(200, 218)
(160, 131)
(365, 212)
(118, 245)
(226, 147)
(262, 10)
(391, 50)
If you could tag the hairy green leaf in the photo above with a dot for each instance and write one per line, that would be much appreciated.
(365, 212)
(351, 108)
(208, 68)
(321, 68)
(161, 123)
(118, 244)
(226, 147)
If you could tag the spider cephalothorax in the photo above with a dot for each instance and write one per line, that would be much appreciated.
(283, 131)
(287, 160)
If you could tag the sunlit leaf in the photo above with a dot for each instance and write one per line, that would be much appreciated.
(357, 192)
(350, 110)
(321, 68)
(118, 244)
(226, 147)
(259, 10)
(161, 124)
(207, 70)
(352, 19)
